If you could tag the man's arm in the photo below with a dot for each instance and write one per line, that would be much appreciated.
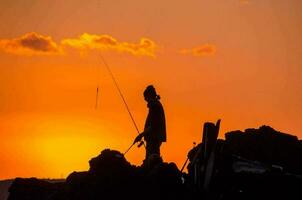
(142, 134)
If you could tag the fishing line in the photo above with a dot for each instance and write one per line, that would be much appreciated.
(119, 91)
(148, 29)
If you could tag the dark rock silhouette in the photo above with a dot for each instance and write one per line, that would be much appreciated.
(254, 164)
(110, 176)
(36, 189)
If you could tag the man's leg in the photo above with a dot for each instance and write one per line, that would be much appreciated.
(148, 150)
(156, 148)
(152, 148)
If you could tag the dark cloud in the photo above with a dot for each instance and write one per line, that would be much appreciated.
(30, 44)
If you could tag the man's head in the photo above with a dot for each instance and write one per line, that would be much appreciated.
(150, 93)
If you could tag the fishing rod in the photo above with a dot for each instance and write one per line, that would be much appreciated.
(123, 98)
(183, 166)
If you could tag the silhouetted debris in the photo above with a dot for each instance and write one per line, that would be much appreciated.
(254, 164)
(266, 146)
(4, 185)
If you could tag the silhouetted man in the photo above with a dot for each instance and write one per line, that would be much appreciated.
(155, 126)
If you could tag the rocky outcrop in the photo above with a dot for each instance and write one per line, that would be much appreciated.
(254, 164)
(110, 176)
(35, 189)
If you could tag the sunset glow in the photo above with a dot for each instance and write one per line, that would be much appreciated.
(235, 60)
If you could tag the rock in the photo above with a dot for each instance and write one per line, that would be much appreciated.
(35, 189)
(109, 161)
(111, 176)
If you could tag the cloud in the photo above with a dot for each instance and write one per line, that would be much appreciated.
(201, 51)
(30, 44)
(36, 44)
(84, 42)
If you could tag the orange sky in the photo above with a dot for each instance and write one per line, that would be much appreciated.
(230, 59)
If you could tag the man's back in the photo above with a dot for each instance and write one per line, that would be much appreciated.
(156, 122)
